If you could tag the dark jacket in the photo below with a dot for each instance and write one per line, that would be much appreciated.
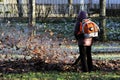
(81, 40)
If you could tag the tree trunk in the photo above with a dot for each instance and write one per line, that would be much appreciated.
(103, 19)
(82, 5)
(90, 4)
(70, 10)
(19, 6)
(89, 7)
(33, 13)
(32, 17)
(30, 10)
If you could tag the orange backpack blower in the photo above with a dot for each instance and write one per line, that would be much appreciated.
(89, 28)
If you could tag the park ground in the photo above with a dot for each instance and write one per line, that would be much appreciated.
(50, 54)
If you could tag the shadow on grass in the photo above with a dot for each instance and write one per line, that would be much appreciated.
(37, 65)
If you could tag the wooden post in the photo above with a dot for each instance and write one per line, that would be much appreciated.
(103, 19)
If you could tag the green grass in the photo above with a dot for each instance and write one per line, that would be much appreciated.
(106, 56)
(54, 75)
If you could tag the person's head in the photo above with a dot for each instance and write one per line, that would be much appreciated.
(82, 15)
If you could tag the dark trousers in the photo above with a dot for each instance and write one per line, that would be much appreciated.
(86, 58)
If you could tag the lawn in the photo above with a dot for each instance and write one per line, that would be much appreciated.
(55, 75)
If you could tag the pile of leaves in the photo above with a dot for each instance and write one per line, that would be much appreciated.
(34, 64)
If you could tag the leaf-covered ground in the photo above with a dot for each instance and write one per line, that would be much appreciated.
(35, 65)
(50, 49)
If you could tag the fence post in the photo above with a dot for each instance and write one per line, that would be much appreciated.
(103, 19)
